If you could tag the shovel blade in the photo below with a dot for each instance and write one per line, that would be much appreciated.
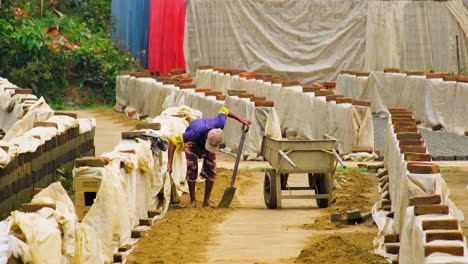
(227, 197)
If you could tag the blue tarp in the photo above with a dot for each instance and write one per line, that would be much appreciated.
(131, 27)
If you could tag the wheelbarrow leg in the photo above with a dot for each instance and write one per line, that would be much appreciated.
(278, 189)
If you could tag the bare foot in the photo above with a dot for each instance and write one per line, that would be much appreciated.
(209, 204)
(193, 204)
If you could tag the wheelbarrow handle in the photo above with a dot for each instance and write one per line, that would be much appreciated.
(333, 152)
(285, 156)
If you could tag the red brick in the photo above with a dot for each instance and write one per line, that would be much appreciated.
(202, 90)
(236, 92)
(444, 235)
(392, 248)
(329, 84)
(395, 70)
(323, 93)
(45, 124)
(403, 115)
(213, 93)
(362, 102)
(392, 238)
(221, 97)
(413, 149)
(257, 98)
(34, 207)
(291, 83)
(429, 168)
(330, 98)
(187, 86)
(411, 142)
(410, 156)
(399, 129)
(264, 103)
(451, 250)
(362, 73)
(344, 100)
(396, 120)
(444, 224)
(126, 73)
(431, 209)
(463, 78)
(416, 72)
(387, 208)
(408, 135)
(73, 115)
(384, 179)
(318, 85)
(382, 174)
(362, 149)
(91, 162)
(386, 202)
(310, 89)
(403, 123)
(177, 71)
(451, 77)
(247, 75)
(142, 74)
(23, 91)
(436, 75)
(186, 81)
(246, 95)
(352, 72)
(424, 200)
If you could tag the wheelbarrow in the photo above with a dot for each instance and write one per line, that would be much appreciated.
(316, 158)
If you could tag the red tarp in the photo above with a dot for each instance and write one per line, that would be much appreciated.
(166, 35)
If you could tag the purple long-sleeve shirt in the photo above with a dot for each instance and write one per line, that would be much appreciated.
(198, 130)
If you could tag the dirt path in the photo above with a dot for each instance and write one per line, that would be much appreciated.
(252, 233)
(109, 126)
(245, 233)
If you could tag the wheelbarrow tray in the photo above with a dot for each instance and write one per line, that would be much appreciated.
(310, 156)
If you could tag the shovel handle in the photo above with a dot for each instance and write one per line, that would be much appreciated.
(245, 129)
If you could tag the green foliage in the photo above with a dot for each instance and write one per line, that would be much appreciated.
(33, 59)
(96, 13)
(65, 177)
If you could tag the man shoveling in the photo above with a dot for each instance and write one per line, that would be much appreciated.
(201, 140)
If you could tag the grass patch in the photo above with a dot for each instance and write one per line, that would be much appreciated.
(65, 176)
(450, 169)
(62, 107)
(349, 169)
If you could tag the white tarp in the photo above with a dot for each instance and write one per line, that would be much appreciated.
(416, 35)
(307, 40)
(314, 40)
(351, 125)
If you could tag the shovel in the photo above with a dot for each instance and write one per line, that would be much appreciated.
(231, 190)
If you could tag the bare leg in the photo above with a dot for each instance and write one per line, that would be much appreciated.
(208, 187)
(193, 199)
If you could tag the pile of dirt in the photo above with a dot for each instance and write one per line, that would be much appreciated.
(355, 192)
(340, 248)
(182, 235)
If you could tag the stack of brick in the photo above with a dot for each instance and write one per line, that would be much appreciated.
(416, 216)
(437, 99)
(29, 169)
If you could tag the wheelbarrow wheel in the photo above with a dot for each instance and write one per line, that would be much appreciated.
(321, 185)
(269, 189)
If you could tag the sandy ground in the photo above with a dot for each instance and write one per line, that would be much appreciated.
(250, 233)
